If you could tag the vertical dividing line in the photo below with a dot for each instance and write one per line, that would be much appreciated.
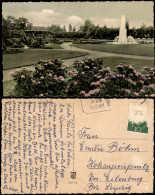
(73, 136)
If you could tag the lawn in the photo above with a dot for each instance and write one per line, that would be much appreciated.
(32, 56)
(131, 49)
(8, 87)
(138, 64)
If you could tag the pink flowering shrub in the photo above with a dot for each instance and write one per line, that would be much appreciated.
(95, 80)
(85, 73)
(23, 78)
(48, 79)
(88, 78)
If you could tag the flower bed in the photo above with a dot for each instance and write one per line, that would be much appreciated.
(88, 79)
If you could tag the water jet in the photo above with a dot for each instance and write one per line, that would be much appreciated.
(123, 38)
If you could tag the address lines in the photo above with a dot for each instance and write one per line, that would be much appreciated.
(114, 138)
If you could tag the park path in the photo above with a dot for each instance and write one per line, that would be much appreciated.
(99, 54)
(93, 54)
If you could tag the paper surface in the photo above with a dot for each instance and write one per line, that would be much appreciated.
(76, 146)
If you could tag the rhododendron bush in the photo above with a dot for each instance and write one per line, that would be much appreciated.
(48, 79)
(89, 78)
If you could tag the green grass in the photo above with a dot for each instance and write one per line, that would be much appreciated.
(138, 64)
(130, 49)
(32, 56)
(8, 87)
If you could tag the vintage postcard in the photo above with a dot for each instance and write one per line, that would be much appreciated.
(77, 146)
(78, 49)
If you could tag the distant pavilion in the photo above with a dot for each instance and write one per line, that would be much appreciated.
(37, 31)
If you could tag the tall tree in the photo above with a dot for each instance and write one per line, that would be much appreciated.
(64, 28)
(74, 29)
(5, 33)
(11, 20)
(142, 31)
(87, 28)
(22, 23)
(70, 28)
(127, 26)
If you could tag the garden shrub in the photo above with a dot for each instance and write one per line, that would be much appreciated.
(18, 34)
(94, 81)
(13, 51)
(89, 78)
(48, 79)
(15, 43)
(35, 43)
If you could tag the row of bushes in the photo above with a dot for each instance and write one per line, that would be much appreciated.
(30, 42)
(18, 43)
(90, 78)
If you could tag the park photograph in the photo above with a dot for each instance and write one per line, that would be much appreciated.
(78, 49)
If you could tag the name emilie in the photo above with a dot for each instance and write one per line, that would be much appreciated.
(111, 147)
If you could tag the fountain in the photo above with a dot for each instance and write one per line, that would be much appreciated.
(123, 38)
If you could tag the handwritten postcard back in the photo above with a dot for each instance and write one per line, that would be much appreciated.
(77, 146)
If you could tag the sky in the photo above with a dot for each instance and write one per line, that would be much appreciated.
(75, 13)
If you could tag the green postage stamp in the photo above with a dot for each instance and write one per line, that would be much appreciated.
(138, 117)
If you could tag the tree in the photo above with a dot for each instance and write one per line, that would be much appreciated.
(133, 32)
(11, 20)
(22, 23)
(5, 29)
(17, 24)
(74, 29)
(127, 26)
(64, 28)
(29, 26)
(142, 31)
(5, 33)
(55, 29)
(150, 31)
(70, 28)
(87, 26)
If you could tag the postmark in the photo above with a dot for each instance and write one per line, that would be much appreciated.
(90, 106)
(138, 117)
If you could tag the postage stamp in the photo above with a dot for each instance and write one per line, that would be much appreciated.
(138, 117)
